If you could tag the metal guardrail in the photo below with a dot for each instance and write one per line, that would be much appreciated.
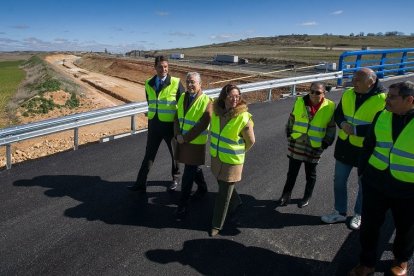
(383, 61)
(14, 134)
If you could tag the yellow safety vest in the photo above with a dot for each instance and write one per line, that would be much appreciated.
(227, 143)
(399, 156)
(165, 105)
(192, 117)
(316, 128)
(363, 116)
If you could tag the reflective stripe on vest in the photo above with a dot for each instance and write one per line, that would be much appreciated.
(363, 116)
(316, 129)
(192, 117)
(399, 156)
(227, 143)
(165, 105)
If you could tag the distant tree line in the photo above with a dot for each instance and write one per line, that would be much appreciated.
(394, 33)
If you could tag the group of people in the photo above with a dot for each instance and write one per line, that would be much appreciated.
(183, 118)
(375, 128)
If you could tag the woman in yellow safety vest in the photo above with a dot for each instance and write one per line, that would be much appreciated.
(232, 134)
(310, 130)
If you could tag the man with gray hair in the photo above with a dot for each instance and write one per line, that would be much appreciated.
(353, 116)
(190, 131)
(386, 166)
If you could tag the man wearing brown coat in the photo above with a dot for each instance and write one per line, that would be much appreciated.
(190, 130)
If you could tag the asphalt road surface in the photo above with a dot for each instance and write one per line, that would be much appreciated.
(71, 214)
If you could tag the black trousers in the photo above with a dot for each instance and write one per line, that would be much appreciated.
(157, 132)
(310, 171)
(375, 204)
(192, 173)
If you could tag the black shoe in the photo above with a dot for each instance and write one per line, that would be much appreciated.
(200, 193)
(303, 203)
(173, 186)
(180, 212)
(284, 200)
(137, 188)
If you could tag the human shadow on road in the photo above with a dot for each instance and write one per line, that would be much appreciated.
(226, 257)
(112, 203)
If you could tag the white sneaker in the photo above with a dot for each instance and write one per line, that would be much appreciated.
(333, 218)
(355, 222)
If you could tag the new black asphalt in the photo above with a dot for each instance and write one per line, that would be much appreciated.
(71, 214)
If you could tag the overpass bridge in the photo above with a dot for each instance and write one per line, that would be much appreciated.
(71, 214)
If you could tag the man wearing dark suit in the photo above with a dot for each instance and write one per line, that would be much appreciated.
(162, 92)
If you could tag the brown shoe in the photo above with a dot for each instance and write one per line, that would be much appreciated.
(399, 268)
(362, 270)
(214, 232)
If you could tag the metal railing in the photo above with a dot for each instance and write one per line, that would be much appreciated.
(14, 134)
(384, 62)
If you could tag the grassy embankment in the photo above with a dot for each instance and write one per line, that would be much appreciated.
(40, 78)
(10, 78)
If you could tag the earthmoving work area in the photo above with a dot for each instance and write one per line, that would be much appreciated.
(106, 82)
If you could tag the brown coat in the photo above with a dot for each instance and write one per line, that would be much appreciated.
(187, 153)
(226, 172)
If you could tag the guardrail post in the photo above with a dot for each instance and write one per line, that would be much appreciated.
(133, 128)
(8, 157)
(269, 95)
(293, 90)
(380, 72)
(402, 62)
(75, 138)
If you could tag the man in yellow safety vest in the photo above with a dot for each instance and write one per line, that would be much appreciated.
(387, 174)
(353, 115)
(163, 92)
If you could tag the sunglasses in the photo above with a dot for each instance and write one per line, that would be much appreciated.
(315, 92)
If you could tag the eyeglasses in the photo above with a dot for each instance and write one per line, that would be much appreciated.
(392, 97)
(315, 92)
(237, 97)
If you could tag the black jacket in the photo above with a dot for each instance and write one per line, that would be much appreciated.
(383, 180)
(344, 150)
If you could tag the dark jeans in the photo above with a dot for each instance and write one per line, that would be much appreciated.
(157, 132)
(192, 173)
(374, 207)
(310, 171)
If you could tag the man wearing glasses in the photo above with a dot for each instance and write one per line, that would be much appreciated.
(353, 115)
(387, 174)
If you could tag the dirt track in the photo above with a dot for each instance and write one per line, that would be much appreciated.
(106, 82)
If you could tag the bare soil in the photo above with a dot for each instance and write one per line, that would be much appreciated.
(106, 82)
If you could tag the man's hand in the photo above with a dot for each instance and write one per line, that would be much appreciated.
(347, 127)
(180, 139)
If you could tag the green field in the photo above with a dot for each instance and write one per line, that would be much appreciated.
(10, 77)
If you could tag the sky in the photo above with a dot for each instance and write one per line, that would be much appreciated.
(122, 25)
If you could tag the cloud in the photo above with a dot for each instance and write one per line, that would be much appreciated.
(224, 37)
(182, 34)
(1, 33)
(61, 40)
(162, 13)
(62, 44)
(21, 27)
(338, 12)
(310, 23)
